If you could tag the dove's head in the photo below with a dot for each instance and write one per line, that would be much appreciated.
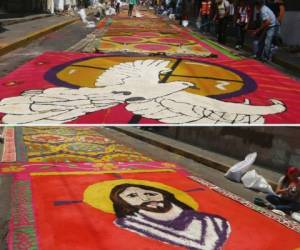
(148, 92)
(184, 85)
(138, 81)
(165, 70)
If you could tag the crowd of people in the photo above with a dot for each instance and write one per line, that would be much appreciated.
(112, 7)
(260, 19)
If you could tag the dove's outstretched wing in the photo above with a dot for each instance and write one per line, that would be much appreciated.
(183, 107)
(53, 105)
(135, 72)
(118, 84)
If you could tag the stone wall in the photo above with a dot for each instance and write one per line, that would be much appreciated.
(290, 28)
(292, 5)
(277, 147)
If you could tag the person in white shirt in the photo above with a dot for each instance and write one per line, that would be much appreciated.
(266, 31)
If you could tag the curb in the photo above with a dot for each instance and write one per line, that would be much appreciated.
(8, 22)
(286, 64)
(248, 48)
(205, 160)
(29, 38)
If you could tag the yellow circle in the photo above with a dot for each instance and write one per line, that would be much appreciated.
(98, 195)
(205, 77)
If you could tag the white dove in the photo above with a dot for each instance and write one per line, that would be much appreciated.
(138, 85)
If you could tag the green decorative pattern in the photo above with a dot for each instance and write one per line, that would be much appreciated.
(24, 234)
(216, 46)
(20, 145)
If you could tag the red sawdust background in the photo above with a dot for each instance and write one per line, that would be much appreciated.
(271, 84)
(79, 226)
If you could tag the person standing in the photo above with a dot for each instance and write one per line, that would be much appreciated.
(205, 12)
(280, 6)
(178, 11)
(272, 6)
(186, 11)
(132, 3)
(221, 18)
(231, 16)
(118, 6)
(242, 22)
(280, 13)
(50, 6)
(266, 31)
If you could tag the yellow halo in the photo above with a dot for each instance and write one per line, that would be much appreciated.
(98, 195)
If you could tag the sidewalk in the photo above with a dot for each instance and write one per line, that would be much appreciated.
(287, 59)
(21, 19)
(211, 159)
(283, 57)
(20, 34)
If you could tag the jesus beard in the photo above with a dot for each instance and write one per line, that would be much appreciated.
(156, 206)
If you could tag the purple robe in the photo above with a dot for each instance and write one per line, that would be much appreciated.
(190, 229)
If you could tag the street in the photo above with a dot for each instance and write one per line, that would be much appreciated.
(131, 131)
(59, 40)
(56, 164)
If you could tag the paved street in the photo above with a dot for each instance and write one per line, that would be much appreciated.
(59, 40)
(205, 83)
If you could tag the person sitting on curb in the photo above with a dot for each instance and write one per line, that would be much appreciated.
(287, 197)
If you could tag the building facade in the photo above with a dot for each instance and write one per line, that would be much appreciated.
(37, 6)
(24, 5)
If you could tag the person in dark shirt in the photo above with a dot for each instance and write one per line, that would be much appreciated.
(271, 5)
(278, 8)
(242, 21)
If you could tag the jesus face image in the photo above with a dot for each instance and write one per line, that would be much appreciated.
(156, 213)
(145, 199)
(128, 199)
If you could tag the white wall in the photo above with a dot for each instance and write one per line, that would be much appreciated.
(50, 6)
(59, 4)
